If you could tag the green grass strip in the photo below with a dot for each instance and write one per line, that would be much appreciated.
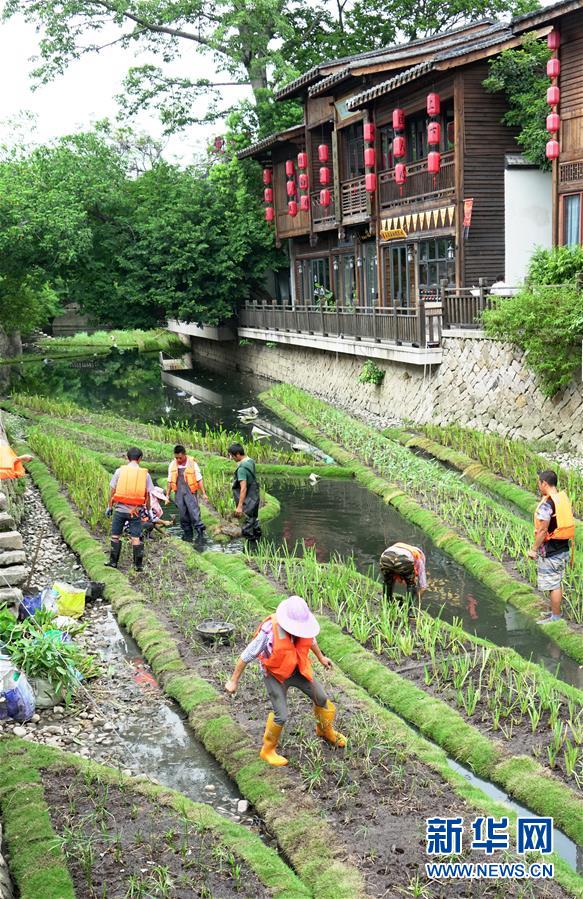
(471, 557)
(521, 777)
(300, 830)
(20, 761)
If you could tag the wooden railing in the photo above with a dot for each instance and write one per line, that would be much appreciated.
(463, 306)
(419, 184)
(419, 326)
(322, 215)
(354, 198)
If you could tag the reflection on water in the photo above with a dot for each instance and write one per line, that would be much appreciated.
(343, 517)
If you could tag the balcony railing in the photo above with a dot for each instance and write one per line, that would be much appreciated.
(463, 306)
(322, 215)
(354, 198)
(418, 326)
(419, 184)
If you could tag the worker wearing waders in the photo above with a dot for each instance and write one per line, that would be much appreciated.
(404, 563)
(554, 534)
(185, 480)
(129, 492)
(282, 643)
(246, 492)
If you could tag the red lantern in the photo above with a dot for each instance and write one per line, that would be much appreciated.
(269, 213)
(369, 132)
(553, 67)
(433, 104)
(553, 95)
(305, 203)
(553, 39)
(433, 162)
(292, 208)
(302, 160)
(268, 195)
(553, 150)
(289, 167)
(325, 197)
(553, 122)
(400, 173)
(303, 181)
(369, 157)
(324, 175)
(370, 182)
(291, 188)
(398, 119)
(399, 147)
(267, 175)
(434, 134)
(323, 152)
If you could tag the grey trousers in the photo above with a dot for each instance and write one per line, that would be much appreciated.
(188, 509)
(278, 693)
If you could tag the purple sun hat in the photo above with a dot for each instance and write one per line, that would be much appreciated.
(294, 616)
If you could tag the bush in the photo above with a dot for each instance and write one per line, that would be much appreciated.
(547, 323)
(557, 266)
(371, 373)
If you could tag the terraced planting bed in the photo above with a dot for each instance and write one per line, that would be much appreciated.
(487, 537)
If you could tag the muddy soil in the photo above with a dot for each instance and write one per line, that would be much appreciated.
(120, 844)
(374, 795)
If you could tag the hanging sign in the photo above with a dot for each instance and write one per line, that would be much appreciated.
(468, 208)
(393, 233)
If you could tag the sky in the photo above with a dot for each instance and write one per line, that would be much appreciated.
(86, 92)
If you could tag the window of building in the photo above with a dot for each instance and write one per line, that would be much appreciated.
(436, 261)
(370, 269)
(314, 278)
(387, 160)
(353, 150)
(572, 219)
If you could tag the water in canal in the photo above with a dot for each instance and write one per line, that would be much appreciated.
(336, 516)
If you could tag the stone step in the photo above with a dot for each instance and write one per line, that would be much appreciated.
(6, 522)
(12, 557)
(10, 595)
(10, 540)
(11, 577)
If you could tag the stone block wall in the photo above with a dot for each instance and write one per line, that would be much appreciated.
(481, 383)
(13, 571)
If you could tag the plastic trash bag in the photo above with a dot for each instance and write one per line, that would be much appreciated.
(29, 605)
(16, 695)
(70, 600)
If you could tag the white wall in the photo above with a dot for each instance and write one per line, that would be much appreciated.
(527, 218)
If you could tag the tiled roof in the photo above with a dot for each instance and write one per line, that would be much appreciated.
(544, 14)
(385, 87)
(268, 142)
(322, 86)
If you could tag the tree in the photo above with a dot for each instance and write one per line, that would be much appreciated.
(521, 75)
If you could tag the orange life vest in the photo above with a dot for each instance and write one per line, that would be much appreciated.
(565, 529)
(10, 465)
(131, 486)
(287, 654)
(189, 474)
(415, 552)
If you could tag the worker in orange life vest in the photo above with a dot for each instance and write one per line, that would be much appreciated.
(129, 492)
(282, 644)
(405, 563)
(185, 481)
(10, 464)
(554, 527)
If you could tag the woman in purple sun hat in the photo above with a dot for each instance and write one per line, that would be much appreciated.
(282, 643)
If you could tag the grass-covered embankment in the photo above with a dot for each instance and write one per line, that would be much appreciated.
(311, 846)
(490, 572)
(38, 849)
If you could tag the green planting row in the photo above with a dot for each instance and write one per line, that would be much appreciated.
(37, 864)
(158, 339)
(301, 833)
(488, 571)
(520, 777)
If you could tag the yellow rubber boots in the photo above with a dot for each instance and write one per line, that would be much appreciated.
(270, 740)
(325, 718)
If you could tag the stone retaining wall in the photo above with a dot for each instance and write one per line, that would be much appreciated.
(481, 383)
(13, 572)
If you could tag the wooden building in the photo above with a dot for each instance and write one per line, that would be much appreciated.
(393, 244)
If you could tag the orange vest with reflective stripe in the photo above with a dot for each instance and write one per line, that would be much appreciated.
(10, 465)
(415, 552)
(189, 474)
(565, 529)
(131, 486)
(287, 654)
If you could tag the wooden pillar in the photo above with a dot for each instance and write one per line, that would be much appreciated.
(459, 155)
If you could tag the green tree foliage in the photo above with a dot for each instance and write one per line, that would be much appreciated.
(545, 319)
(521, 75)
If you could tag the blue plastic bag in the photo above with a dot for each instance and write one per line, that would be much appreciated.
(29, 605)
(16, 696)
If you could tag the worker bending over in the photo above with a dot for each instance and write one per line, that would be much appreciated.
(404, 563)
(554, 527)
(11, 466)
(282, 644)
(185, 481)
(130, 489)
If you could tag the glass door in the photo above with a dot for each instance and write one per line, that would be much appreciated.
(399, 273)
